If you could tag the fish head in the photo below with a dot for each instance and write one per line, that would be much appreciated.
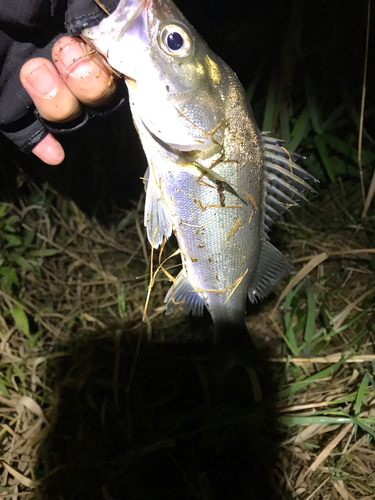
(176, 83)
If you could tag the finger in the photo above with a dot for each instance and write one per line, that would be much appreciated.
(51, 96)
(49, 150)
(83, 71)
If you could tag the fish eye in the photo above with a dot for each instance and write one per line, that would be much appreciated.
(175, 40)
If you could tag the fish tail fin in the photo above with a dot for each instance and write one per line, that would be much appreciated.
(232, 347)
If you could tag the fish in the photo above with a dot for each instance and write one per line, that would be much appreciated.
(214, 179)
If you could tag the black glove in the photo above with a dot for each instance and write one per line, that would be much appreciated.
(29, 28)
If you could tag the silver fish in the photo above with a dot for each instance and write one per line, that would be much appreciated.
(214, 179)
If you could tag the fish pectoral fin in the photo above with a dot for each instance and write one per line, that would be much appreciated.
(157, 218)
(183, 297)
(272, 268)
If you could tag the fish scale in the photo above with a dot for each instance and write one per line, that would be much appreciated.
(214, 180)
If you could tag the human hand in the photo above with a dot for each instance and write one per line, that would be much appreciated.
(78, 76)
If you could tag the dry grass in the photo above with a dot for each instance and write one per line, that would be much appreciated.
(76, 350)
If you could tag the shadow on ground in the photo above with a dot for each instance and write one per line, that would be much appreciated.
(155, 429)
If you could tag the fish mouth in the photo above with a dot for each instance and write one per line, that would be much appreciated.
(126, 13)
(113, 28)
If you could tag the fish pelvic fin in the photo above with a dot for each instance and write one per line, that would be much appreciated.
(232, 347)
(272, 268)
(183, 297)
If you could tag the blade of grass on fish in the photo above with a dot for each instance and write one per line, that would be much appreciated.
(310, 320)
(211, 174)
(300, 129)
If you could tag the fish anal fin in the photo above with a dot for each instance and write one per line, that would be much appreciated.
(157, 218)
(182, 296)
(272, 268)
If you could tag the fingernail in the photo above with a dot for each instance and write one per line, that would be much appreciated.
(74, 60)
(43, 81)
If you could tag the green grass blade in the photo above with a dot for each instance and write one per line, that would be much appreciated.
(284, 122)
(332, 122)
(252, 87)
(300, 129)
(314, 110)
(312, 419)
(324, 155)
(269, 112)
(21, 319)
(310, 321)
(361, 394)
(284, 393)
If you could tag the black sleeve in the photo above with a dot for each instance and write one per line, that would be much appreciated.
(29, 28)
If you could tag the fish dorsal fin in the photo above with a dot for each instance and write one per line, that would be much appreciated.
(272, 268)
(182, 296)
(157, 218)
(285, 180)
